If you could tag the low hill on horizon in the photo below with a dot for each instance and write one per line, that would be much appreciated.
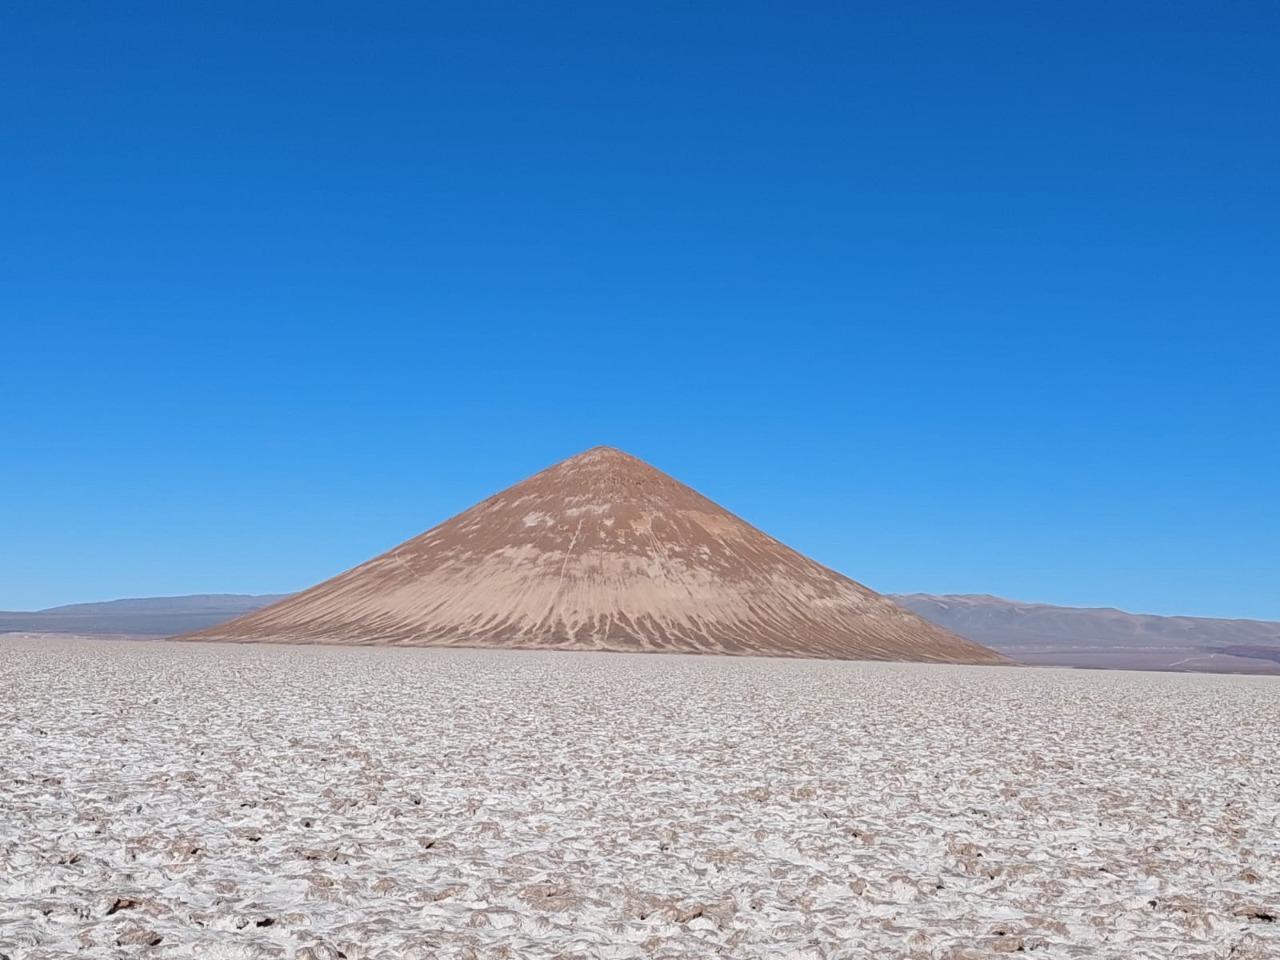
(136, 616)
(1045, 634)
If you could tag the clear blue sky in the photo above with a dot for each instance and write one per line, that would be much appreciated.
(953, 297)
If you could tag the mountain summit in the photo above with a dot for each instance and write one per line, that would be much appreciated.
(603, 552)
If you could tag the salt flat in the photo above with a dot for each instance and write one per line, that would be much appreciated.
(187, 800)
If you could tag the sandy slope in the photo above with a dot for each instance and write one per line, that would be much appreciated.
(183, 800)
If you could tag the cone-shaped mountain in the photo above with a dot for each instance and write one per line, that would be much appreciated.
(603, 552)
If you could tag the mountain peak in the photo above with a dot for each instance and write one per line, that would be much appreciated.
(604, 457)
(603, 551)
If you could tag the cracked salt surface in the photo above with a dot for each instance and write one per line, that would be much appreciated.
(182, 800)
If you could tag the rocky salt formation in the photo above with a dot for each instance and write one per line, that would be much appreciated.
(603, 552)
(308, 802)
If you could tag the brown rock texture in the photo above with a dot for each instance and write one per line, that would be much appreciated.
(603, 552)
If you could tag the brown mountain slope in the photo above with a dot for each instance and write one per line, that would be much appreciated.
(603, 552)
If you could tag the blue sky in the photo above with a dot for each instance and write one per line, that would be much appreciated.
(955, 298)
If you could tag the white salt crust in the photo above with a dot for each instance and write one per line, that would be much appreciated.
(176, 800)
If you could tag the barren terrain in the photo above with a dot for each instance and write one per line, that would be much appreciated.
(206, 800)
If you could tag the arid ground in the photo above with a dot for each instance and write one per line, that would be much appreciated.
(200, 800)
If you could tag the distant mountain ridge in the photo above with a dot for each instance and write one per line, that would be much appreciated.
(1042, 633)
(1031, 624)
(138, 616)
(1036, 633)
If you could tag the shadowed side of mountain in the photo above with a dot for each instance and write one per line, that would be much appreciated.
(137, 616)
(1039, 633)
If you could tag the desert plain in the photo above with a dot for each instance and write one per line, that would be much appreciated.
(223, 801)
